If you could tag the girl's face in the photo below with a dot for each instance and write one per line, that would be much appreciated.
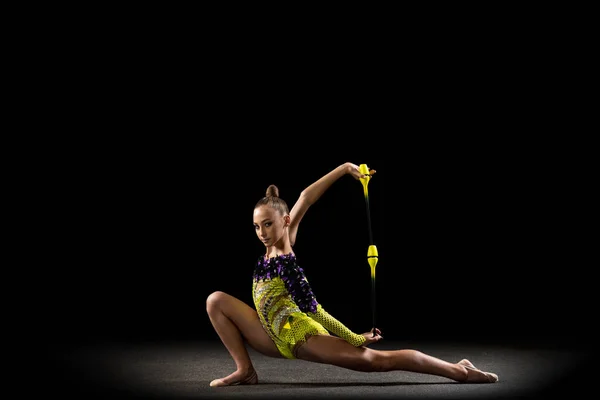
(269, 225)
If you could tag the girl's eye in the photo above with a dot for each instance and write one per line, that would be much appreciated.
(268, 224)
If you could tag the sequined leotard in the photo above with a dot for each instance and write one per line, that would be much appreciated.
(287, 307)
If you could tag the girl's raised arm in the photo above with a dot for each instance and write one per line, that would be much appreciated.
(313, 192)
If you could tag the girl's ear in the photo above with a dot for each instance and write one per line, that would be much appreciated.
(286, 220)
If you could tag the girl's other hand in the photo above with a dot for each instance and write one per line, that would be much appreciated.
(372, 339)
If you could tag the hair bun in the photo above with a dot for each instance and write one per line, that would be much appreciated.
(272, 191)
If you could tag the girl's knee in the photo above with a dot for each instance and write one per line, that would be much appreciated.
(214, 300)
(415, 356)
(375, 361)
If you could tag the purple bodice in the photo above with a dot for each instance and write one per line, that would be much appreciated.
(285, 266)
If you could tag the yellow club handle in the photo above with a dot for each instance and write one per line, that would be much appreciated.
(365, 181)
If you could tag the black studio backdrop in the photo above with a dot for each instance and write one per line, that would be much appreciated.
(467, 249)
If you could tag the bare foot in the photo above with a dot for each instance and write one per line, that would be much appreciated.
(237, 378)
(475, 375)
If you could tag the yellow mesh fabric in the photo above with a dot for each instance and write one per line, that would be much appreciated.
(336, 327)
(296, 331)
(287, 325)
(281, 318)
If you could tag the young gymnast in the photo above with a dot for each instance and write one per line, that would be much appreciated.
(289, 322)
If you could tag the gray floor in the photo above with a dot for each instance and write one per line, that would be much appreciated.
(184, 370)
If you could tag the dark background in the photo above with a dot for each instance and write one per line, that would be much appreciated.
(476, 240)
(148, 159)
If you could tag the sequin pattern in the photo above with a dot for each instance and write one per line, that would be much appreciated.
(285, 266)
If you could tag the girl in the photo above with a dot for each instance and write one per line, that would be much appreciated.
(289, 322)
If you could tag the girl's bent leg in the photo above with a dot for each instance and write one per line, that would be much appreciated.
(235, 322)
(336, 351)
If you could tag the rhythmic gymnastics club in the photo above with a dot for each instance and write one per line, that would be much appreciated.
(372, 255)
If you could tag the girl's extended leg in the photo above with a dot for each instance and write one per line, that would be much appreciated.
(236, 322)
(336, 351)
